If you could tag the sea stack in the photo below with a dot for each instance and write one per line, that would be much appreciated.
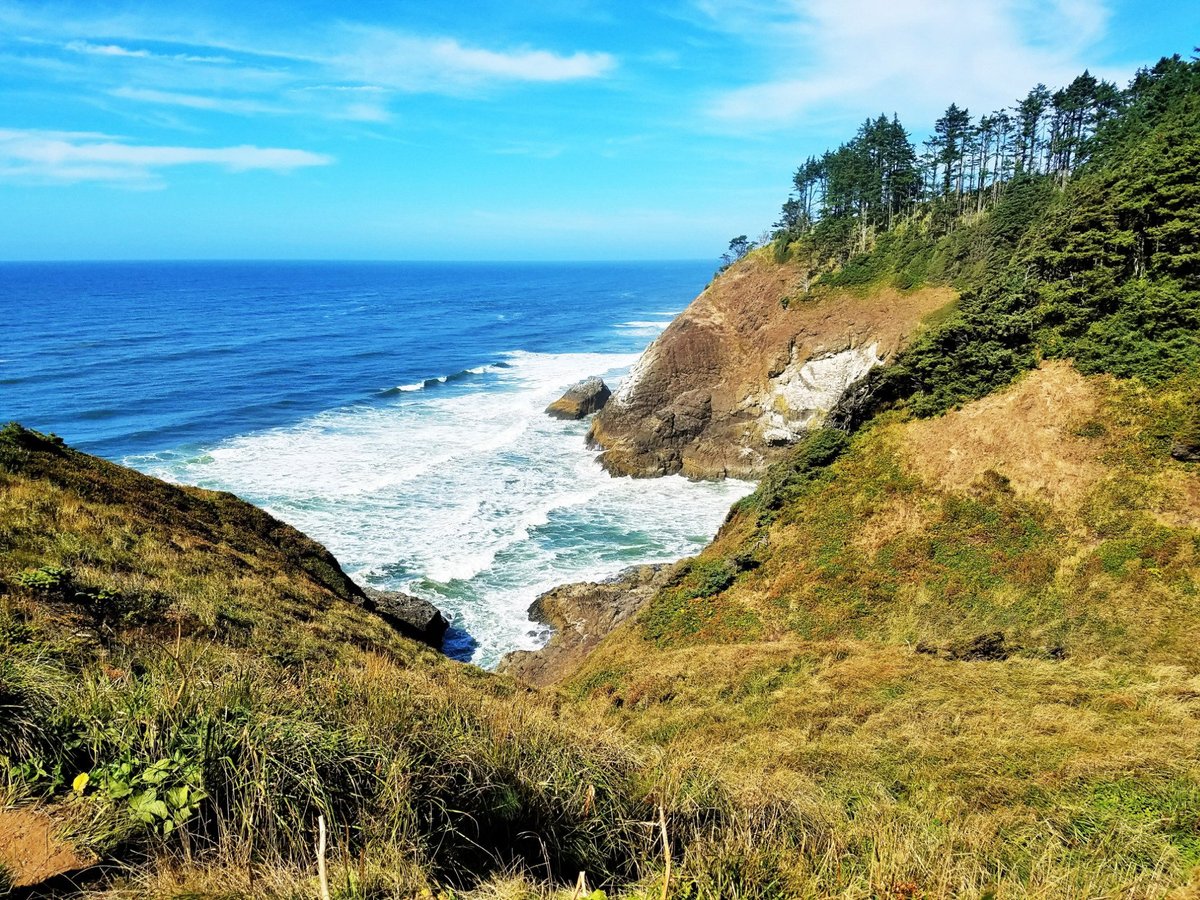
(582, 399)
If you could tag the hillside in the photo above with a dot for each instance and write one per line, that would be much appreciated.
(961, 647)
(187, 683)
(1071, 234)
(956, 632)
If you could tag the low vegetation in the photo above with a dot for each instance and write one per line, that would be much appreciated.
(185, 677)
(965, 684)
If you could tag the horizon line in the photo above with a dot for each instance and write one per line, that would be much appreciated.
(379, 260)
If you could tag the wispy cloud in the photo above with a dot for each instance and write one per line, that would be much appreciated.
(197, 101)
(117, 50)
(104, 49)
(67, 156)
(408, 62)
(839, 56)
(339, 70)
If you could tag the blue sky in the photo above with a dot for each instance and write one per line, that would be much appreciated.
(488, 130)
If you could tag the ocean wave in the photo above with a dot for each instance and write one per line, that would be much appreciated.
(546, 373)
(473, 499)
(440, 379)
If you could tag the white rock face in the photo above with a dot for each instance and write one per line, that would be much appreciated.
(629, 383)
(802, 395)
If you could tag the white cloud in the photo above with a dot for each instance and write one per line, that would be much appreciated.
(141, 53)
(104, 49)
(65, 156)
(349, 71)
(346, 104)
(197, 101)
(420, 64)
(858, 57)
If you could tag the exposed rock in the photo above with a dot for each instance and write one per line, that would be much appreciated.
(581, 615)
(989, 647)
(582, 399)
(738, 377)
(992, 646)
(1186, 449)
(411, 616)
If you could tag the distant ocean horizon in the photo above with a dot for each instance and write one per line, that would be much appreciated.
(392, 411)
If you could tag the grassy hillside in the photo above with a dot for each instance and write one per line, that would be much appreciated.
(948, 651)
(186, 684)
(954, 643)
(964, 649)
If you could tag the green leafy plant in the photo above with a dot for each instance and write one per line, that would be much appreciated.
(163, 794)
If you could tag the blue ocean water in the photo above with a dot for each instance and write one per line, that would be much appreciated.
(393, 411)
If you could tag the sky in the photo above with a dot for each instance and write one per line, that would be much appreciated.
(489, 130)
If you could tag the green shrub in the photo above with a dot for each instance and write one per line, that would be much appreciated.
(45, 580)
(790, 476)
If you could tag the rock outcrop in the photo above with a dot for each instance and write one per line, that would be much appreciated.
(580, 400)
(581, 615)
(749, 368)
(411, 616)
(1186, 446)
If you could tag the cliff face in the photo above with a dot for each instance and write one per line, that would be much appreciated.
(749, 368)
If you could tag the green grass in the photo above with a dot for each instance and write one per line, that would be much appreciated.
(212, 674)
(686, 608)
(1068, 768)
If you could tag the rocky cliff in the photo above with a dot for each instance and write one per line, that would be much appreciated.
(751, 366)
(582, 615)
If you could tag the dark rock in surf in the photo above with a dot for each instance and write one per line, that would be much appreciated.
(411, 616)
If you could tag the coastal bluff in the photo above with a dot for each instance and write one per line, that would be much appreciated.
(748, 369)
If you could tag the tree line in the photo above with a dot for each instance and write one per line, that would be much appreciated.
(843, 198)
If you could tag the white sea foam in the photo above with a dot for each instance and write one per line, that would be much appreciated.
(643, 326)
(467, 495)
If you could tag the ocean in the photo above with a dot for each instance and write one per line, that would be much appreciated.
(392, 411)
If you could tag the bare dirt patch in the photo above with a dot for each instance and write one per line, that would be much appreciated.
(32, 850)
(1034, 434)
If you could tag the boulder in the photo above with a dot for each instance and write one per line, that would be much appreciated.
(582, 615)
(411, 616)
(1186, 451)
(1186, 447)
(582, 399)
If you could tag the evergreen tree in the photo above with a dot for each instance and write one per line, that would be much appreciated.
(1028, 115)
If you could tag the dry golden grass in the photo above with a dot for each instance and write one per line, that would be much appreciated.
(1051, 512)
(779, 709)
(1029, 434)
